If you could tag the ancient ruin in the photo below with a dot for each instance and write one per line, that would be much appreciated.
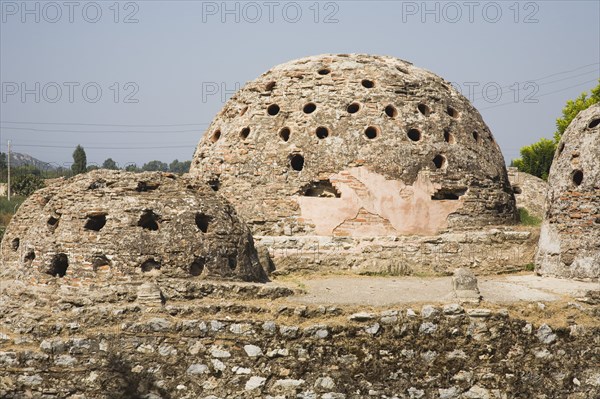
(117, 285)
(109, 225)
(570, 236)
(331, 151)
(529, 190)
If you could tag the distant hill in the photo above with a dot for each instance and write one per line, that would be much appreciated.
(18, 159)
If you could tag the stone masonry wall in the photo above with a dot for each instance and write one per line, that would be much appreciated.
(215, 349)
(490, 251)
(570, 235)
(530, 191)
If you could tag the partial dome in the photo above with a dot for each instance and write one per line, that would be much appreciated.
(355, 145)
(107, 225)
(570, 235)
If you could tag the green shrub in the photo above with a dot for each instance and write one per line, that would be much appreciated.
(7, 209)
(527, 219)
(26, 185)
(10, 207)
(530, 267)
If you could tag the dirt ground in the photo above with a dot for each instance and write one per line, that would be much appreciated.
(385, 291)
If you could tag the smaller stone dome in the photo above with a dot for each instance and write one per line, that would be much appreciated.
(570, 236)
(107, 225)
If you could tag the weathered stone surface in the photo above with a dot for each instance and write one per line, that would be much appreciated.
(465, 286)
(362, 316)
(545, 334)
(119, 330)
(488, 251)
(196, 369)
(355, 146)
(253, 350)
(530, 191)
(161, 351)
(570, 232)
(464, 280)
(114, 225)
(255, 382)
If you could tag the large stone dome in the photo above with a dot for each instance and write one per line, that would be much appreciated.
(570, 236)
(355, 145)
(107, 225)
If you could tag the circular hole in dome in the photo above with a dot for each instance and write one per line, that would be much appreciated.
(244, 133)
(594, 123)
(273, 109)
(100, 260)
(15, 244)
(309, 108)
(476, 136)
(53, 223)
(214, 184)
(149, 265)
(203, 221)
(577, 177)
(270, 86)
(149, 220)
(29, 256)
(414, 134)
(324, 71)
(232, 262)
(424, 109)
(449, 137)
(284, 134)
(367, 83)
(391, 111)
(322, 132)
(197, 266)
(215, 136)
(95, 222)
(439, 161)
(561, 148)
(58, 265)
(371, 132)
(452, 112)
(353, 108)
(297, 162)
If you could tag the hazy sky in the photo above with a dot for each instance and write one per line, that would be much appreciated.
(173, 62)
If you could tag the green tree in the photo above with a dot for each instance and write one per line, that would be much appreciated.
(26, 170)
(2, 160)
(155, 166)
(79, 161)
(573, 107)
(180, 167)
(110, 164)
(131, 168)
(536, 158)
(26, 185)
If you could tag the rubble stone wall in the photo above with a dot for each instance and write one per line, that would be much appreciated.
(490, 251)
(570, 235)
(530, 191)
(234, 350)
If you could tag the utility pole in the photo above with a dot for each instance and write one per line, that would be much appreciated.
(8, 165)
